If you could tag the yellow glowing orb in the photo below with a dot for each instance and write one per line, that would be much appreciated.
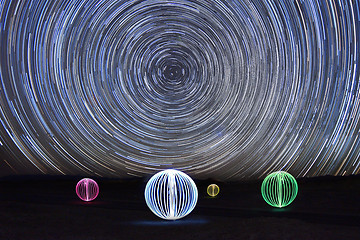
(213, 190)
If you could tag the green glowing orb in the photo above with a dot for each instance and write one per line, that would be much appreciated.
(279, 189)
(213, 190)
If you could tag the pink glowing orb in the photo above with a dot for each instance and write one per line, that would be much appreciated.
(87, 189)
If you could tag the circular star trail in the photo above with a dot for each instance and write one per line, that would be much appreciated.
(219, 89)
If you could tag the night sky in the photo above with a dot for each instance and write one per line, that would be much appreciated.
(228, 90)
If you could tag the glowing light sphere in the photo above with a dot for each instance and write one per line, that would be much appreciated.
(213, 190)
(171, 194)
(87, 189)
(279, 189)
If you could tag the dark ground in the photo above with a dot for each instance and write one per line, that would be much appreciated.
(48, 208)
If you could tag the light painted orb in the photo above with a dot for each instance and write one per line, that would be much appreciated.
(213, 190)
(279, 189)
(171, 194)
(87, 189)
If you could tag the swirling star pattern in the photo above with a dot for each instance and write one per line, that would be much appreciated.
(219, 89)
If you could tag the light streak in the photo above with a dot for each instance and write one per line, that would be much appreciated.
(225, 89)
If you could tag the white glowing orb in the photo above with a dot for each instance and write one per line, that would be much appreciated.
(171, 194)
